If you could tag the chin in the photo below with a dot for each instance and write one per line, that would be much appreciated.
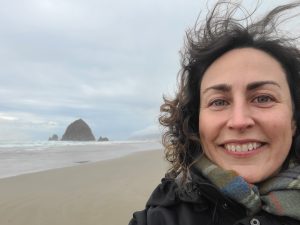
(252, 178)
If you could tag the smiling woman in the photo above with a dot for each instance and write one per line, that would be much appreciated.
(233, 128)
(245, 121)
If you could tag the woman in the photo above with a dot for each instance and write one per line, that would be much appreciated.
(233, 127)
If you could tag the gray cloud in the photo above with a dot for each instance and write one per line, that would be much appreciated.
(108, 62)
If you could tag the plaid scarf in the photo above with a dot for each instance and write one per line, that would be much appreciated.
(279, 195)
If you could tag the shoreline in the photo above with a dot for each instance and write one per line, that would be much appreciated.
(78, 163)
(91, 193)
(23, 160)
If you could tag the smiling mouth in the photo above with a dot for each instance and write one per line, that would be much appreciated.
(246, 147)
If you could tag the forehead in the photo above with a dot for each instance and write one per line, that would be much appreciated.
(244, 65)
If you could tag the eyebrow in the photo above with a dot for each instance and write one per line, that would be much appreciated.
(258, 84)
(251, 86)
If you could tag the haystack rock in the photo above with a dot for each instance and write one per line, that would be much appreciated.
(78, 131)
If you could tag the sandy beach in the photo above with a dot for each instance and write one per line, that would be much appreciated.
(102, 193)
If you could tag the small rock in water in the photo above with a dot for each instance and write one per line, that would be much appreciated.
(103, 139)
(53, 138)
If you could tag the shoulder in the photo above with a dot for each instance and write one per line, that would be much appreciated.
(172, 203)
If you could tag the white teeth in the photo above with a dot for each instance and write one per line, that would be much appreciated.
(250, 147)
(254, 145)
(242, 148)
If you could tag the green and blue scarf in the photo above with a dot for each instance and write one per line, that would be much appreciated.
(279, 195)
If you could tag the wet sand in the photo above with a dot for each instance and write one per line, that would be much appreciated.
(106, 192)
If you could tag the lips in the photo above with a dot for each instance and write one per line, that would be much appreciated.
(245, 147)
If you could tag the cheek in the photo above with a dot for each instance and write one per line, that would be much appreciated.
(207, 128)
(281, 132)
(278, 123)
(202, 127)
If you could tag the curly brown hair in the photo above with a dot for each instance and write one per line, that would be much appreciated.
(207, 41)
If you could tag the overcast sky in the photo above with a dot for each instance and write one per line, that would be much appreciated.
(108, 62)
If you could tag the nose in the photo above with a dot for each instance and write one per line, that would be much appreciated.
(240, 118)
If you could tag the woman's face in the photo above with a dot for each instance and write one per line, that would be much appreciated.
(245, 120)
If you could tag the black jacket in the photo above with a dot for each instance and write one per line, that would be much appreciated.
(198, 202)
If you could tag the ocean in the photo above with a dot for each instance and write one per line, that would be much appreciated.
(27, 157)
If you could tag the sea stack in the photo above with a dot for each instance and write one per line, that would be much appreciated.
(103, 139)
(78, 131)
(53, 138)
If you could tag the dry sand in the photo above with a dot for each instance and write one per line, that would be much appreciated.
(103, 193)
